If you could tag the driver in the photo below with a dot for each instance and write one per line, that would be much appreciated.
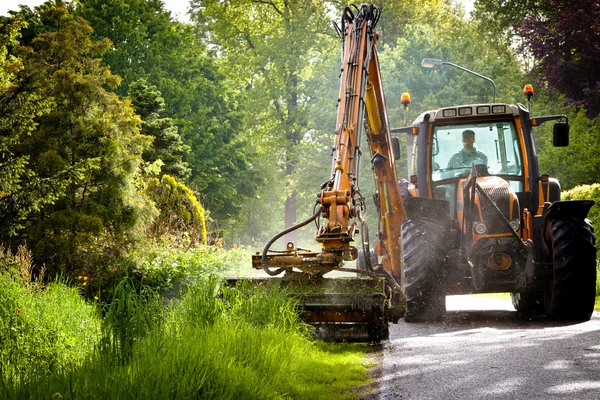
(469, 154)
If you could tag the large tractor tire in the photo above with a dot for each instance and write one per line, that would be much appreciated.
(424, 251)
(571, 289)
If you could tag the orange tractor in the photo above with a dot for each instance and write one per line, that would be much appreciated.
(476, 223)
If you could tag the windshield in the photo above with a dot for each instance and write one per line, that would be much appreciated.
(457, 147)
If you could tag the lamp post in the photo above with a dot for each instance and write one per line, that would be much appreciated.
(432, 62)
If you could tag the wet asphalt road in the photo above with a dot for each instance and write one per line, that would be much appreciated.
(482, 351)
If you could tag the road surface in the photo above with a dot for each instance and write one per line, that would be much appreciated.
(482, 351)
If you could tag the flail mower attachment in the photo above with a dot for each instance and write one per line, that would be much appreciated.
(345, 309)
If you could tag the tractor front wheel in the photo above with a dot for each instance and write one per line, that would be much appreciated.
(571, 289)
(424, 250)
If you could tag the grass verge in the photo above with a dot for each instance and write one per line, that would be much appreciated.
(243, 344)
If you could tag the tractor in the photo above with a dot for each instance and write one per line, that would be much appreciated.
(468, 219)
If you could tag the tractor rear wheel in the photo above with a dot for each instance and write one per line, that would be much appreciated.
(572, 287)
(424, 250)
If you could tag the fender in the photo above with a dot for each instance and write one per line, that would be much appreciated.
(577, 209)
(568, 209)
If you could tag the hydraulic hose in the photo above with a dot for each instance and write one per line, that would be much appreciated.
(263, 259)
(367, 250)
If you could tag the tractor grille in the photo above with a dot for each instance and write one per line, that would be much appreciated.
(501, 197)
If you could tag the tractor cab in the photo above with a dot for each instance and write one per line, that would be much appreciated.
(492, 146)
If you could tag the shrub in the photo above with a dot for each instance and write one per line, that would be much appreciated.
(181, 215)
(589, 192)
(168, 268)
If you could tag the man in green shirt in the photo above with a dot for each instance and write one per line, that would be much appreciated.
(469, 155)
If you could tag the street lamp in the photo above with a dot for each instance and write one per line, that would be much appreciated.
(432, 62)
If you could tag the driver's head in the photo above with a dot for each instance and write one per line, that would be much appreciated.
(468, 138)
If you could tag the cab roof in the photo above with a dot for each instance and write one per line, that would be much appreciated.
(455, 113)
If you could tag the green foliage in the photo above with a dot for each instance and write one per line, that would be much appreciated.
(168, 268)
(588, 192)
(148, 44)
(397, 14)
(167, 145)
(22, 192)
(561, 38)
(43, 329)
(270, 50)
(460, 43)
(577, 164)
(86, 150)
(131, 314)
(181, 217)
(164, 267)
(501, 19)
(245, 344)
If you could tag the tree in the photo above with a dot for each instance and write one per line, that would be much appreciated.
(579, 163)
(87, 130)
(167, 145)
(148, 44)
(22, 191)
(270, 49)
(562, 36)
(503, 17)
(566, 40)
(396, 15)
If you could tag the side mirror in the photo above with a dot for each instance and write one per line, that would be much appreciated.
(396, 147)
(560, 134)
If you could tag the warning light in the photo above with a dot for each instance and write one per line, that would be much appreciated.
(405, 99)
(528, 91)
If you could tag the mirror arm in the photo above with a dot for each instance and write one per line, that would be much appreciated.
(537, 121)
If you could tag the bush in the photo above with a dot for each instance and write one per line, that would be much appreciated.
(181, 215)
(164, 267)
(589, 192)
(167, 268)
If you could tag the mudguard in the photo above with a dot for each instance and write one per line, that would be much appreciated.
(569, 209)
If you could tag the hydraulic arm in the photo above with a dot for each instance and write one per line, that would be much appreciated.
(341, 203)
(348, 308)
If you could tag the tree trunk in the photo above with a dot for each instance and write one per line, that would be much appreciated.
(293, 139)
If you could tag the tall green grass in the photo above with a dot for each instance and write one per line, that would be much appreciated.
(235, 343)
(43, 328)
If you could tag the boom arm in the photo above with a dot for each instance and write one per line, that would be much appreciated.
(361, 89)
(341, 202)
